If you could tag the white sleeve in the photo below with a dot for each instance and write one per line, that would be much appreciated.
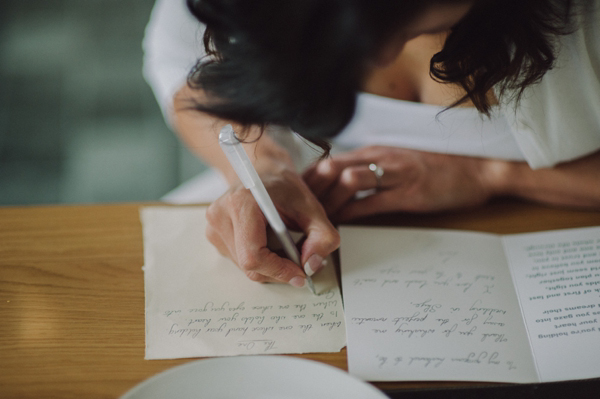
(172, 44)
(558, 119)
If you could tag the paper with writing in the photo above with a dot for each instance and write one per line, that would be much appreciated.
(198, 303)
(431, 305)
(425, 304)
(557, 275)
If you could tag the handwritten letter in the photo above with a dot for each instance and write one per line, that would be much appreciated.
(431, 305)
(449, 305)
(199, 303)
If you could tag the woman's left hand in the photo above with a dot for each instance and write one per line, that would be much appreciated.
(414, 181)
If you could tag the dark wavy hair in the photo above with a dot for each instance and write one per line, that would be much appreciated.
(301, 63)
(506, 44)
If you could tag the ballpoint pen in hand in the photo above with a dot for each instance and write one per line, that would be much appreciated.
(240, 162)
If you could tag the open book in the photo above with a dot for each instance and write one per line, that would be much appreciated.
(426, 304)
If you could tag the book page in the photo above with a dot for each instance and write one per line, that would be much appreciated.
(198, 303)
(557, 275)
(426, 304)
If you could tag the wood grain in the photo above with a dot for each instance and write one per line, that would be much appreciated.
(72, 293)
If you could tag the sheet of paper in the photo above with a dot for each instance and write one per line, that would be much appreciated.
(431, 305)
(199, 303)
(557, 275)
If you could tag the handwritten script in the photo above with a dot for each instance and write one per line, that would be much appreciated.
(199, 304)
(450, 305)
(431, 305)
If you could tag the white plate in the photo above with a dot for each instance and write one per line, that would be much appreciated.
(254, 377)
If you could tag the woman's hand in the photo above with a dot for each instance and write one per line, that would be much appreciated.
(238, 229)
(413, 181)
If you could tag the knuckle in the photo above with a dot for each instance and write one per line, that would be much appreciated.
(214, 214)
(212, 235)
(280, 274)
(377, 152)
(216, 240)
(255, 277)
(328, 168)
(334, 240)
(371, 150)
(350, 178)
(249, 264)
(272, 268)
(329, 241)
(234, 198)
(211, 214)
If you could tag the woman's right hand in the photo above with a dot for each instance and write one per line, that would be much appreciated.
(238, 229)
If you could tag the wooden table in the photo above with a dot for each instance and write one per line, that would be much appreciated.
(72, 292)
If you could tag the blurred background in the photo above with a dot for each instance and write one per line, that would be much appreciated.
(78, 123)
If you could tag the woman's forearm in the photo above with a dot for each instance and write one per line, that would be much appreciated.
(571, 184)
(200, 133)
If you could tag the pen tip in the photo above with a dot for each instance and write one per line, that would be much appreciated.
(310, 285)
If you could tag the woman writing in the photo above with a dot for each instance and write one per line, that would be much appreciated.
(302, 64)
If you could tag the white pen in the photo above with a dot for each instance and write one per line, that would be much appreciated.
(240, 162)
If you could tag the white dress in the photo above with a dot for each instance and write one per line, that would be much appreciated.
(535, 132)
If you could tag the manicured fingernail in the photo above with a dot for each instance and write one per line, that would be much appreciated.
(298, 282)
(314, 264)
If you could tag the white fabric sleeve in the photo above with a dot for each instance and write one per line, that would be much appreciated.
(558, 119)
(172, 45)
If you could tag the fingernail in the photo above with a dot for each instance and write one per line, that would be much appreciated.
(298, 282)
(314, 264)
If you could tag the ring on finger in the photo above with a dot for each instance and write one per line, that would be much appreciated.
(378, 171)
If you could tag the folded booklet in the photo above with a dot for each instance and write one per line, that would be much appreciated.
(427, 304)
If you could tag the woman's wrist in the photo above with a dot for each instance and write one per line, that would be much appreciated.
(266, 156)
(500, 177)
(572, 184)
